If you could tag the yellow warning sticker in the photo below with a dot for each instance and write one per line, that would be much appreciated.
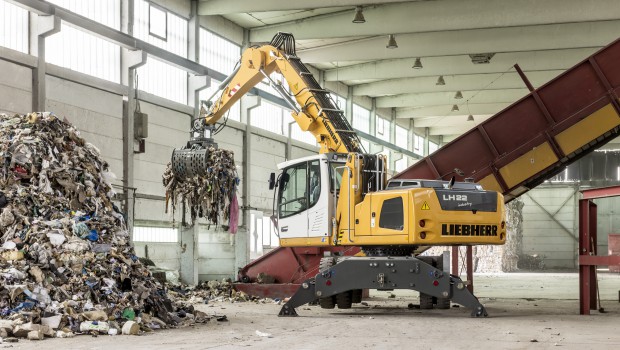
(425, 206)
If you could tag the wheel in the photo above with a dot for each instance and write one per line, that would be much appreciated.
(327, 303)
(442, 303)
(426, 301)
(344, 300)
(325, 264)
(356, 296)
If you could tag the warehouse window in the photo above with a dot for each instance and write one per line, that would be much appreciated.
(402, 139)
(158, 22)
(268, 116)
(418, 144)
(83, 52)
(432, 147)
(340, 101)
(155, 234)
(157, 77)
(13, 27)
(383, 129)
(218, 53)
(401, 164)
(361, 118)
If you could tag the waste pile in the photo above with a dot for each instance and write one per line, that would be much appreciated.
(212, 196)
(66, 265)
(211, 291)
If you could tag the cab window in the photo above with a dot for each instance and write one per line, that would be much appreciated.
(300, 188)
(292, 198)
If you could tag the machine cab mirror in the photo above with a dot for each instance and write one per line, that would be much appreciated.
(272, 181)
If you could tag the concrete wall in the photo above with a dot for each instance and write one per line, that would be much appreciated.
(15, 88)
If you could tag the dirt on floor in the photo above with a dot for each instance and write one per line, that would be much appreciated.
(383, 323)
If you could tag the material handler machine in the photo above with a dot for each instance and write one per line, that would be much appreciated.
(342, 197)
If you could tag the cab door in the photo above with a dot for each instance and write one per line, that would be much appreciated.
(293, 202)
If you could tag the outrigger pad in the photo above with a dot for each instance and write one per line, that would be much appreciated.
(287, 311)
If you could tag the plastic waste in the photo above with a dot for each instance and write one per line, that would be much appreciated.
(56, 239)
(131, 328)
(98, 326)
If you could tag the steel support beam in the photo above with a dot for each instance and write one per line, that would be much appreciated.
(242, 239)
(46, 26)
(131, 61)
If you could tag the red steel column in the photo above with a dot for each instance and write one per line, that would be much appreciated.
(454, 261)
(470, 269)
(585, 248)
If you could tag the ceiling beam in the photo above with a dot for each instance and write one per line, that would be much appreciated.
(470, 82)
(445, 110)
(449, 43)
(450, 65)
(448, 97)
(451, 130)
(425, 16)
(224, 7)
(452, 120)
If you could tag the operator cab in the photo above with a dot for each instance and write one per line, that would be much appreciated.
(306, 195)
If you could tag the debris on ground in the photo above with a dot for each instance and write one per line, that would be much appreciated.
(66, 265)
(211, 196)
(263, 334)
(211, 291)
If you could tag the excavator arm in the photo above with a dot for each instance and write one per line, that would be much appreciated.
(313, 108)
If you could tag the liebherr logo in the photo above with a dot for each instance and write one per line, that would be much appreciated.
(468, 230)
(329, 129)
(455, 197)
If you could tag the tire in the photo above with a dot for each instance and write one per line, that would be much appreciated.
(426, 301)
(356, 296)
(443, 303)
(344, 300)
(327, 303)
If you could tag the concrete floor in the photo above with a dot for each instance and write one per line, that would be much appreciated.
(520, 317)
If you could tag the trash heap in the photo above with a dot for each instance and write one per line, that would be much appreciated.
(212, 196)
(210, 291)
(66, 265)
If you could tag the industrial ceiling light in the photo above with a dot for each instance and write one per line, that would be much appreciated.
(470, 118)
(481, 58)
(455, 108)
(418, 64)
(458, 95)
(359, 15)
(391, 42)
(440, 81)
